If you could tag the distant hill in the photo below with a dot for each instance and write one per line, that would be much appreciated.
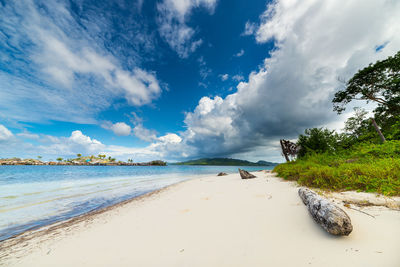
(225, 162)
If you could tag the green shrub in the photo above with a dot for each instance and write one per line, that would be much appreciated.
(366, 167)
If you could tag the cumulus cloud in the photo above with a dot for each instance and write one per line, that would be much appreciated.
(121, 129)
(144, 134)
(61, 68)
(170, 138)
(5, 134)
(172, 21)
(316, 42)
(76, 143)
(163, 147)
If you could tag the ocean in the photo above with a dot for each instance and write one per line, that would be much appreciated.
(35, 196)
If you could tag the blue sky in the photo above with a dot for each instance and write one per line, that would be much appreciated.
(179, 79)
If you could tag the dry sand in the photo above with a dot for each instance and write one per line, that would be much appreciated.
(212, 221)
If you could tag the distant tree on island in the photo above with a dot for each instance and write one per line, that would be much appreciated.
(59, 159)
(225, 162)
(39, 157)
(79, 155)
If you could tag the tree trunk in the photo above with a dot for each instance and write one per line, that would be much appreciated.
(378, 130)
(284, 151)
(245, 174)
(332, 218)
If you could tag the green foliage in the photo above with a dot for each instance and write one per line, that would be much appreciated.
(319, 140)
(366, 167)
(358, 124)
(157, 163)
(380, 83)
(59, 159)
(225, 162)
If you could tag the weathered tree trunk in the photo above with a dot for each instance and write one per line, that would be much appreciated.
(284, 151)
(246, 175)
(332, 218)
(378, 130)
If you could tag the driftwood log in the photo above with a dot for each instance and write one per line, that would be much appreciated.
(222, 174)
(289, 149)
(245, 174)
(332, 218)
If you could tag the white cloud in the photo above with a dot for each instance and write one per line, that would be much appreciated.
(204, 70)
(170, 138)
(69, 146)
(163, 147)
(238, 78)
(5, 134)
(249, 28)
(224, 77)
(121, 129)
(172, 19)
(316, 42)
(144, 134)
(28, 135)
(240, 53)
(69, 75)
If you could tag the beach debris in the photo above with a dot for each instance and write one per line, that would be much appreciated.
(332, 218)
(222, 174)
(246, 175)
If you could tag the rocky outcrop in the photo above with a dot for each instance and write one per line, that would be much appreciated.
(332, 218)
(222, 174)
(245, 174)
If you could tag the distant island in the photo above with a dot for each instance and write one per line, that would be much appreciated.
(100, 160)
(225, 162)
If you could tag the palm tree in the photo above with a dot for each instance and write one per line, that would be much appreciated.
(59, 159)
(79, 155)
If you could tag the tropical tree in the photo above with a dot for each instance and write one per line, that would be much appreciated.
(59, 159)
(39, 157)
(79, 155)
(379, 82)
(358, 124)
(320, 140)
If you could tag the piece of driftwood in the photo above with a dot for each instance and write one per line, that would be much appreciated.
(222, 174)
(245, 174)
(332, 218)
(289, 149)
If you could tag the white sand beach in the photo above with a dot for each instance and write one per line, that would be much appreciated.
(211, 221)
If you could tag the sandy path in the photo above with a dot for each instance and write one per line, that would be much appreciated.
(215, 221)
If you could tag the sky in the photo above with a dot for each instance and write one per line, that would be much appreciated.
(180, 79)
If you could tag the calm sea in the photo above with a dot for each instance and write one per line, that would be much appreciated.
(34, 196)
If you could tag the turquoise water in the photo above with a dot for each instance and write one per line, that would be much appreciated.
(34, 196)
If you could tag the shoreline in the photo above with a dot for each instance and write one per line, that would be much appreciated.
(79, 218)
(40, 244)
